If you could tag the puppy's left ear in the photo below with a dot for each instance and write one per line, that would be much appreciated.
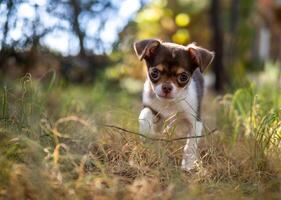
(200, 57)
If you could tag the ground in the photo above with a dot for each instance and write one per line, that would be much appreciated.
(55, 144)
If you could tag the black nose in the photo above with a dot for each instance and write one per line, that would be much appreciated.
(167, 88)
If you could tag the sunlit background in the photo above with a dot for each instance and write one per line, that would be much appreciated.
(52, 21)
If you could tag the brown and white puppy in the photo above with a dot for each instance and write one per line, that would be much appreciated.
(173, 91)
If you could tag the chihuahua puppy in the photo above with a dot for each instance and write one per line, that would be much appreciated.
(173, 91)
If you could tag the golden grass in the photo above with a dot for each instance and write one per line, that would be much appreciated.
(64, 152)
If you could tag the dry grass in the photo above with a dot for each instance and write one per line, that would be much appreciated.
(55, 147)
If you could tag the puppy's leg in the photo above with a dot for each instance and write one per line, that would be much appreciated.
(146, 121)
(190, 150)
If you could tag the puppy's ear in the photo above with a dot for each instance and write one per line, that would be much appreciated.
(200, 57)
(145, 49)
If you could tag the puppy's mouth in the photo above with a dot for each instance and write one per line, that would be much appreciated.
(165, 96)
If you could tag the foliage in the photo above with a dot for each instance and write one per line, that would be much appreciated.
(169, 20)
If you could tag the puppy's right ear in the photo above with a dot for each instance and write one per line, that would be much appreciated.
(145, 49)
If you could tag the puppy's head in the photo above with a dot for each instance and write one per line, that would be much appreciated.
(170, 66)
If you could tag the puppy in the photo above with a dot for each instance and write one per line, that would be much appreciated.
(173, 91)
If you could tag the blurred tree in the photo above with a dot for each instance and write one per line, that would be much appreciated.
(72, 16)
(239, 42)
(234, 19)
(26, 24)
(32, 32)
(32, 28)
(10, 9)
(218, 44)
(78, 14)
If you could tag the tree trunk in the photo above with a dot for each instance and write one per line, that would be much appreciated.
(6, 24)
(76, 26)
(218, 45)
(4, 46)
(233, 24)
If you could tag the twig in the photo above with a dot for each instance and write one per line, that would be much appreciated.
(157, 139)
(85, 123)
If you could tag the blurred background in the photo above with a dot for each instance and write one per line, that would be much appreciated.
(85, 41)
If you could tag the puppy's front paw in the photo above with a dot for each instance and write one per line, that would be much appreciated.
(146, 122)
(188, 165)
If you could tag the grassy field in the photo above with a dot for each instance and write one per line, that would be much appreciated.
(55, 144)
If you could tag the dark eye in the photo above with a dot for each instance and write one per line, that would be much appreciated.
(155, 74)
(183, 78)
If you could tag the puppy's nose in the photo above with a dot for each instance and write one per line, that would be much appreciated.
(167, 88)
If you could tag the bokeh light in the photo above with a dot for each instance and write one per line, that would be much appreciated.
(182, 20)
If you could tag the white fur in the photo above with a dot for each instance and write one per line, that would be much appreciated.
(146, 121)
(179, 112)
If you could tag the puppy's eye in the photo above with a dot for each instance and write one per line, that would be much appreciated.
(155, 74)
(183, 78)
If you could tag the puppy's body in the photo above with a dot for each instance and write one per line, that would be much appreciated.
(173, 92)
